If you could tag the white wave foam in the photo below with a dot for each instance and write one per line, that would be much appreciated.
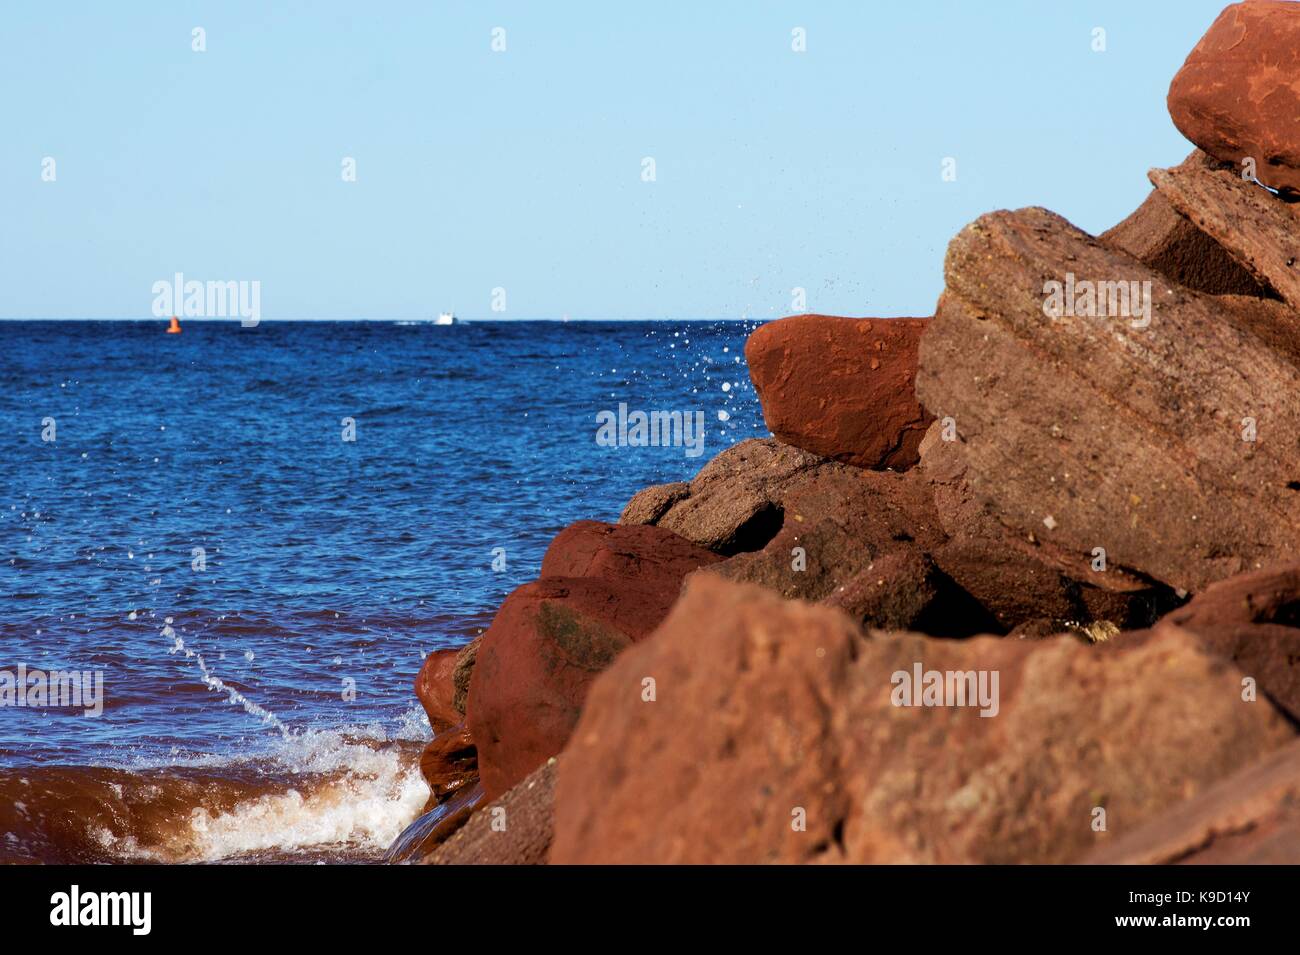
(337, 793)
(355, 787)
(367, 808)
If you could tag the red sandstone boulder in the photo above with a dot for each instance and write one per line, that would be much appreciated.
(841, 387)
(552, 637)
(644, 557)
(436, 689)
(1161, 433)
(449, 762)
(777, 733)
(1238, 94)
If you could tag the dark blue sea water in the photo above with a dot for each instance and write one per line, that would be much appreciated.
(328, 567)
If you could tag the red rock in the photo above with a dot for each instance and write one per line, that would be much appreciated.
(1252, 620)
(449, 762)
(642, 556)
(1238, 94)
(1159, 236)
(652, 503)
(859, 540)
(773, 737)
(1088, 432)
(550, 639)
(436, 689)
(841, 387)
(1020, 580)
(442, 683)
(1255, 227)
(1251, 818)
(733, 504)
(901, 589)
(1265, 596)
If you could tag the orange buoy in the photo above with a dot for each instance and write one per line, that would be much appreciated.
(175, 327)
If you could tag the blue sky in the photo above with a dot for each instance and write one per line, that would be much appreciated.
(522, 169)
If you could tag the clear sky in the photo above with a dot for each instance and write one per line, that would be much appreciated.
(523, 169)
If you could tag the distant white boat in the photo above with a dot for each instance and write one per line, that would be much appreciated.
(446, 318)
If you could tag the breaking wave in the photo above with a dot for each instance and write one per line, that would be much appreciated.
(330, 796)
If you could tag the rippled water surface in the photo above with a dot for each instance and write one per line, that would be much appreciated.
(257, 592)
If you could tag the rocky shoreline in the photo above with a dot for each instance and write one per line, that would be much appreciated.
(1071, 498)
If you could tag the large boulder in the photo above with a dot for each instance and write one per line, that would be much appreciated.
(605, 587)
(777, 733)
(1251, 818)
(818, 530)
(1160, 436)
(642, 557)
(1238, 94)
(841, 387)
(837, 522)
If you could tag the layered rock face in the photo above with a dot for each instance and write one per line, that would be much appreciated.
(1159, 236)
(1236, 96)
(1252, 225)
(1161, 432)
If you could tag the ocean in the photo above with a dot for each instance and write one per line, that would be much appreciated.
(251, 537)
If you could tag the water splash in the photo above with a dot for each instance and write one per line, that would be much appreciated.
(214, 682)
